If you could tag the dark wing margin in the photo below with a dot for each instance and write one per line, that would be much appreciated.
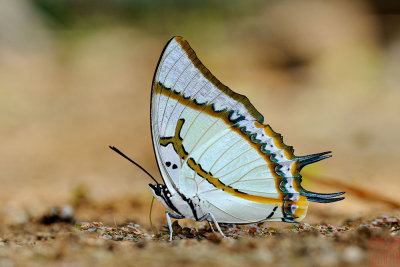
(321, 198)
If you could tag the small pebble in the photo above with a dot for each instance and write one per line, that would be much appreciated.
(92, 229)
(352, 254)
(67, 212)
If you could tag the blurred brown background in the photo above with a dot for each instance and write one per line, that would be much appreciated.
(75, 77)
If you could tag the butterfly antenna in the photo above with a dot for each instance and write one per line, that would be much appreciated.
(137, 165)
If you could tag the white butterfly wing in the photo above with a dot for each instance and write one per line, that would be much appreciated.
(210, 143)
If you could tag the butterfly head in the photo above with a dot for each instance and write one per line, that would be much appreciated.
(160, 192)
(156, 189)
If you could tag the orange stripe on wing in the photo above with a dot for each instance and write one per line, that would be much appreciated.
(218, 184)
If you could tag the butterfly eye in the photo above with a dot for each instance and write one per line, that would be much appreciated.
(156, 189)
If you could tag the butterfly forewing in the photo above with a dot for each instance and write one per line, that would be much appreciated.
(210, 143)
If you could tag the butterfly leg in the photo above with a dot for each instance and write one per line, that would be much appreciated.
(212, 228)
(169, 215)
(211, 216)
(216, 224)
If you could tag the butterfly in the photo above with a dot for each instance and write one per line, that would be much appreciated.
(218, 161)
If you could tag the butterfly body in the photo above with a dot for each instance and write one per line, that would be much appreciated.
(219, 162)
(181, 206)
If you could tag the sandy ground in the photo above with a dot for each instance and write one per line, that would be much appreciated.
(59, 238)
